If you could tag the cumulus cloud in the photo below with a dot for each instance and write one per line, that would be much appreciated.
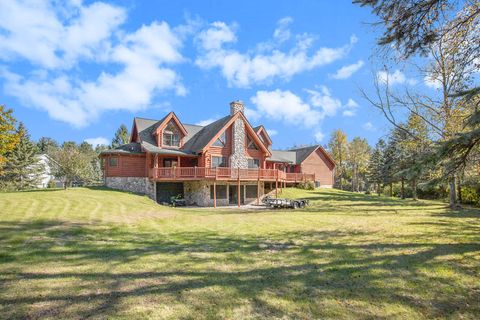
(40, 32)
(347, 71)
(243, 69)
(397, 77)
(286, 106)
(143, 60)
(350, 108)
(98, 141)
(324, 101)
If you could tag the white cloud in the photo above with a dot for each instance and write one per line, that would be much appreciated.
(350, 108)
(282, 32)
(319, 136)
(245, 69)
(142, 61)
(272, 132)
(251, 114)
(323, 99)
(214, 37)
(286, 106)
(206, 122)
(50, 35)
(432, 82)
(98, 141)
(368, 126)
(346, 72)
(397, 77)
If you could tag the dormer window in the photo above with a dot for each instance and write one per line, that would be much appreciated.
(171, 136)
(221, 141)
(251, 144)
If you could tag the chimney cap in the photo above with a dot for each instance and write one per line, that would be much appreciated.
(236, 106)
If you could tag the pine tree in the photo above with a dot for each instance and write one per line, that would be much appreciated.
(23, 169)
(375, 166)
(121, 136)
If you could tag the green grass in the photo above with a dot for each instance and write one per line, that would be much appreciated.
(105, 254)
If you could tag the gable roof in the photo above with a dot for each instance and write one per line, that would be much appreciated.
(202, 137)
(297, 155)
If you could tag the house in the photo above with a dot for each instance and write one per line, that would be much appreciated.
(226, 162)
(47, 176)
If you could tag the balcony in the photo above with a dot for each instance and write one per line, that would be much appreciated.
(227, 174)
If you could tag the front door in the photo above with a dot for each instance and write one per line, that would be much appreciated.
(233, 194)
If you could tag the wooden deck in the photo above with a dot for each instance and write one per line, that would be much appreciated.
(227, 174)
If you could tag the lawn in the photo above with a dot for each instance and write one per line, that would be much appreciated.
(105, 254)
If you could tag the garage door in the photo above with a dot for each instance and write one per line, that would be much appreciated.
(167, 190)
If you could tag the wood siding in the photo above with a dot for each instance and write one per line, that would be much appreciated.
(127, 166)
(319, 164)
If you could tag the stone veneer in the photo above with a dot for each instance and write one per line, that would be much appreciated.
(132, 184)
(198, 193)
(238, 157)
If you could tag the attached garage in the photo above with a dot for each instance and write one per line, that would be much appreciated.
(167, 190)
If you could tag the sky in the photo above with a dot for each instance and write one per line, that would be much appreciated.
(76, 70)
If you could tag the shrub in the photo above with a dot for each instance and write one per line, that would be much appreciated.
(470, 196)
(51, 184)
(308, 185)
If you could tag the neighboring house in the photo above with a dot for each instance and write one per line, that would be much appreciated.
(47, 175)
(226, 162)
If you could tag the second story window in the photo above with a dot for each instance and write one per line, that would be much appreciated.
(251, 144)
(171, 136)
(253, 163)
(221, 141)
(219, 162)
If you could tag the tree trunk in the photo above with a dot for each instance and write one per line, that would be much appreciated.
(391, 189)
(459, 190)
(414, 189)
(379, 189)
(403, 188)
(453, 196)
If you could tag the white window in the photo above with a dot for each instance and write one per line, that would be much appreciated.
(219, 162)
(253, 163)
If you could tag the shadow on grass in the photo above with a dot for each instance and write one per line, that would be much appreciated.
(311, 266)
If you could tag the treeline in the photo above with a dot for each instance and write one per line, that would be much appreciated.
(399, 166)
(435, 143)
(24, 163)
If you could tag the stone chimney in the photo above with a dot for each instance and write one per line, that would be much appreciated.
(238, 158)
(236, 106)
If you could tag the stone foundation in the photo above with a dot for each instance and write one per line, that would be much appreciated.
(198, 193)
(133, 184)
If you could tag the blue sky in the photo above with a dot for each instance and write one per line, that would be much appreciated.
(78, 70)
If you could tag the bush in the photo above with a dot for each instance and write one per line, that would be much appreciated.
(309, 185)
(470, 196)
(51, 184)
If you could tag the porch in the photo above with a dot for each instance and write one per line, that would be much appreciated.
(226, 174)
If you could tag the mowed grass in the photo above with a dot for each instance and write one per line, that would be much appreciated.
(95, 253)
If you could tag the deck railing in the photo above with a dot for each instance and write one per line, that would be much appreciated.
(225, 173)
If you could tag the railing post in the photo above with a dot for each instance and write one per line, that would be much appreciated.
(174, 173)
(238, 186)
(195, 172)
(276, 183)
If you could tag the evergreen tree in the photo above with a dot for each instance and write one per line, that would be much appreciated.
(375, 166)
(121, 136)
(23, 169)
